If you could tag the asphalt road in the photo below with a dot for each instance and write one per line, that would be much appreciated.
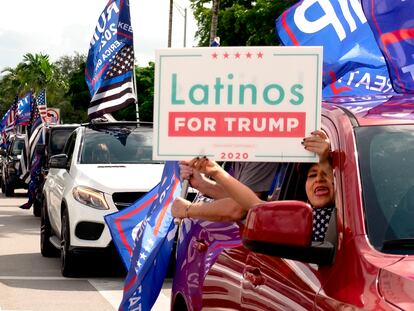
(29, 281)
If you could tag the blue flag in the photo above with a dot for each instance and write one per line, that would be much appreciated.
(24, 110)
(110, 62)
(353, 63)
(124, 225)
(153, 246)
(392, 23)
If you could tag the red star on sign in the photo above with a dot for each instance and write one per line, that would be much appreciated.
(260, 55)
(214, 55)
(237, 55)
(226, 55)
(249, 55)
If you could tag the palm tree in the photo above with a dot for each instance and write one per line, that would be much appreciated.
(37, 72)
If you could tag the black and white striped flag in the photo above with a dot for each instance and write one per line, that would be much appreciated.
(116, 90)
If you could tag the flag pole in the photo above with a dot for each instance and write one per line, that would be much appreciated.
(136, 93)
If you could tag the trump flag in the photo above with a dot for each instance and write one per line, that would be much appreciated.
(24, 110)
(353, 63)
(392, 23)
(124, 225)
(153, 246)
(109, 66)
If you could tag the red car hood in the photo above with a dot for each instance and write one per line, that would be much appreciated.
(396, 283)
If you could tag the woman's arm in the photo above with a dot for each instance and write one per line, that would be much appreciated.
(240, 193)
(219, 210)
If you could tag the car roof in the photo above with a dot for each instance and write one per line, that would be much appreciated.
(144, 126)
(387, 109)
(70, 125)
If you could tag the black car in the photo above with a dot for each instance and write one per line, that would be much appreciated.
(11, 166)
(55, 139)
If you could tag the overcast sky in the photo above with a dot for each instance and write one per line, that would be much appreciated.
(61, 27)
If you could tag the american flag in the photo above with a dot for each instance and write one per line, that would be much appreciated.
(11, 117)
(117, 89)
(41, 105)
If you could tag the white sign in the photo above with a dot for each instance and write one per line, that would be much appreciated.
(53, 115)
(237, 103)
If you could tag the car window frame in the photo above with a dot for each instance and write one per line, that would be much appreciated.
(70, 147)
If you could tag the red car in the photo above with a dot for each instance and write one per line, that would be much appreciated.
(367, 259)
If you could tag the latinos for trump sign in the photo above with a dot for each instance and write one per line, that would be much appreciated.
(237, 103)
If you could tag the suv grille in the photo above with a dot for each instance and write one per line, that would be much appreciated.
(125, 199)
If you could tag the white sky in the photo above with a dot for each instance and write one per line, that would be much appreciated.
(61, 27)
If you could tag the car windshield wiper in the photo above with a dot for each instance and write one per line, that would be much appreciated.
(407, 243)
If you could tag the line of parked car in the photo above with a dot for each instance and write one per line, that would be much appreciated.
(89, 170)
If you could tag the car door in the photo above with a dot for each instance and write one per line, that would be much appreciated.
(57, 179)
(224, 283)
(273, 283)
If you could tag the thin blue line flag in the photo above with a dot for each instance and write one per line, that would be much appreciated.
(109, 66)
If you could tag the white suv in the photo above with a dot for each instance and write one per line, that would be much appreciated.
(104, 168)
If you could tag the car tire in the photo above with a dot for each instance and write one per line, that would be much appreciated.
(46, 247)
(37, 208)
(67, 257)
(3, 190)
(8, 190)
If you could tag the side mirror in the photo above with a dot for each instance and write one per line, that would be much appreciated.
(58, 161)
(284, 229)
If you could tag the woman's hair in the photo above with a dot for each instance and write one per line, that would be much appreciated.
(303, 168)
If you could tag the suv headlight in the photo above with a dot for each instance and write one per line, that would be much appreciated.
(90, 197)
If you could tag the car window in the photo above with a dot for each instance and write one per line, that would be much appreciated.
(116, 145)
(58, 140)
(293, 185)
(386, 159)
(277, 184)
(17, 147)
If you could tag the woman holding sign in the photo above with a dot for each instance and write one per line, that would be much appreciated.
(319, 185)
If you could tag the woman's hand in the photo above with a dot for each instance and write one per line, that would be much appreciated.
(193, 176)
(206, 166)
(318, 143)
(179, 207)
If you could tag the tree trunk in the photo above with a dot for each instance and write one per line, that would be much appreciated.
(214, 19)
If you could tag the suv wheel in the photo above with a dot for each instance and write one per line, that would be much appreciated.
(8, 189)
(46, 248)
(37, 207)
(67, 257)
(3, 190)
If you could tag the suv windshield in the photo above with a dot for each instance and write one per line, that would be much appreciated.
(117, 145)
(17, 146)
(386, 159)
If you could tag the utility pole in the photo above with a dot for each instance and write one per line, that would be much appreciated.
(170, 23)
(185, 26)
(214, 19)
(183, 12)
